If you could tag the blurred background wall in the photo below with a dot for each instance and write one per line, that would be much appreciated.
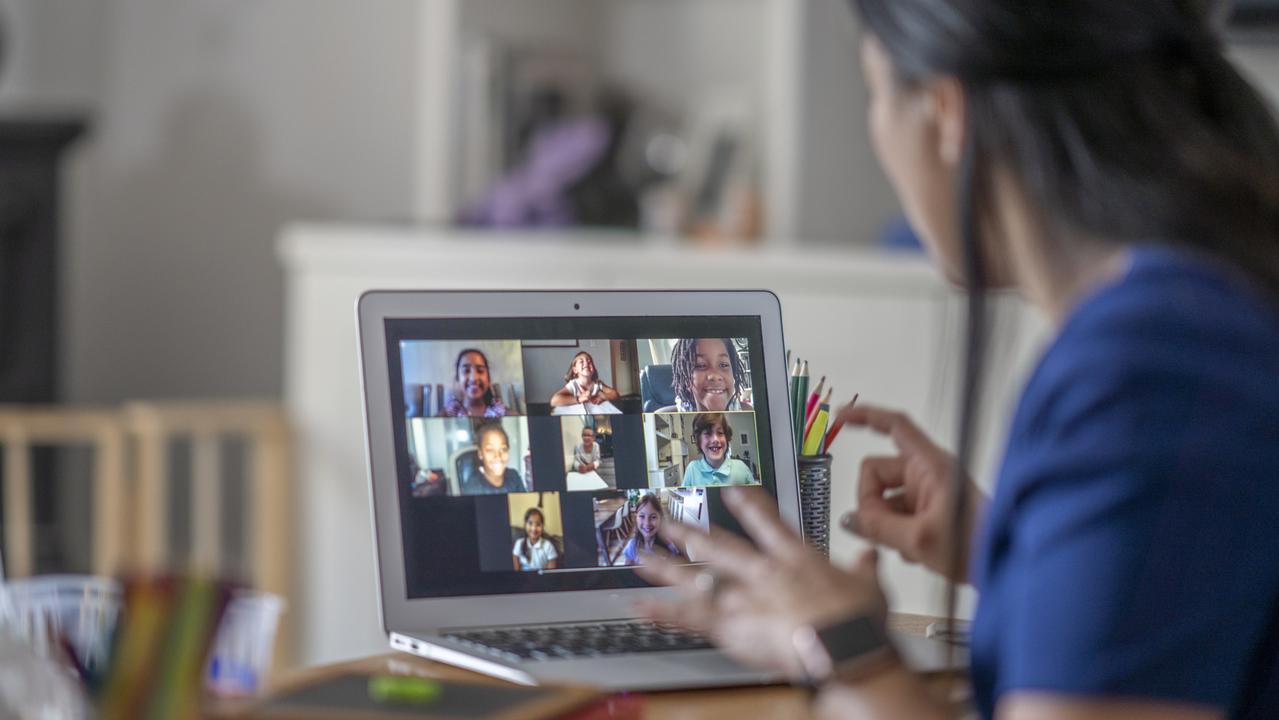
(212, 123)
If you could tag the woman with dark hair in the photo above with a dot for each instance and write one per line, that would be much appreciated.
(1106, 160)
(473, 392)
(707, 375)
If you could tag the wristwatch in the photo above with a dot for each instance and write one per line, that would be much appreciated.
(849, 650)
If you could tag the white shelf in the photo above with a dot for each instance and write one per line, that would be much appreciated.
(773, 55)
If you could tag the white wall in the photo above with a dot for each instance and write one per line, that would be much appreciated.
(215, 121)
(843, 196)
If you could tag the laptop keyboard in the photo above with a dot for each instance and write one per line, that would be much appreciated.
(555, 642)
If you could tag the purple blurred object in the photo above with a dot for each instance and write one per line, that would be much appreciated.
(535, 194)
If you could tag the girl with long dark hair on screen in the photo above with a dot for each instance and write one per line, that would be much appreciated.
(582, 384)
(1105, 159)
(473, 393)
(534, 551)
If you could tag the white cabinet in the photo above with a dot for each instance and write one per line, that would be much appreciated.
(881, 326)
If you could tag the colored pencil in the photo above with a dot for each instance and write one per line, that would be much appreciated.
(813, 443)
(813, 399)
(795, 402)
(801, 386)
(808, 424)
(834, 430)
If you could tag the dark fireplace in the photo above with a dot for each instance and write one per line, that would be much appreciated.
(31, 150)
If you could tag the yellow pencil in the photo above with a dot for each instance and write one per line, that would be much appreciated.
(813, 441)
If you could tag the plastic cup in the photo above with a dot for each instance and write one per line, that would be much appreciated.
(240, 658)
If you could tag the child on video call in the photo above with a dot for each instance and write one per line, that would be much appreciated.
(707, 375)
(586, 456)
(645, 540)
(492, 476)
(582, 384)
(713, 436)
(473, 389)
(534, 551)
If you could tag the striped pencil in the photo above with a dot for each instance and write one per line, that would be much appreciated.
(813, 399)
(812, 416)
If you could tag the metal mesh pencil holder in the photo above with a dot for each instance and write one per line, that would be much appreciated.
(814, 500)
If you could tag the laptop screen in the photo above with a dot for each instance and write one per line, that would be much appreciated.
(544, 454)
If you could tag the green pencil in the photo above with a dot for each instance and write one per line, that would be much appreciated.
(799, 401)
(794, 388)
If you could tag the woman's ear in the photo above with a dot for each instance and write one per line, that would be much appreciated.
(946, 103)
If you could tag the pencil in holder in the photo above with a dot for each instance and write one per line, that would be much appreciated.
(814, 500)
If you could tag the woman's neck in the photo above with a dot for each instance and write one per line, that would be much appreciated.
(1053, 269)
(499, 481)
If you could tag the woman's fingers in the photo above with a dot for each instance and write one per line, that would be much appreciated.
(692, 610)
(731, 555)
(877, 475)
(897, 425)
(885, 527)
(661, 571)
(757, 511)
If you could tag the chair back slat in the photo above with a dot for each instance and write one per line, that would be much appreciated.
(19, 528)
(206, 501)
(23, 427)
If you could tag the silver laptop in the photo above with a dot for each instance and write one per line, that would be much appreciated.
(524, 449)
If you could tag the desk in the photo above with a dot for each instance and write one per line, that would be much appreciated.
(776, 701)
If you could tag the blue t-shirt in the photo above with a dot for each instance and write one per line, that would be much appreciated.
(1132, 545)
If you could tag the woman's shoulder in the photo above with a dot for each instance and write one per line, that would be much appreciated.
(1172, 319)
(1176, 358)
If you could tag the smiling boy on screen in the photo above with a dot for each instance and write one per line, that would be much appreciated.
(713, 436)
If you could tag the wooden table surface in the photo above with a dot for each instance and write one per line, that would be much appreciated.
(777, 701)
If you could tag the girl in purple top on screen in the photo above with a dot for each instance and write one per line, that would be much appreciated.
(645, 540)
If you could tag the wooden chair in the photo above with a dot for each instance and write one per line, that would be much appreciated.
(132, 526)
(154, 427)
(102, 429)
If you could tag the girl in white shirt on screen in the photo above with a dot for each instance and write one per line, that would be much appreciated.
(534, 551)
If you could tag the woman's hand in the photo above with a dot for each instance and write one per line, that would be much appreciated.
(759, 597)
(904, 500)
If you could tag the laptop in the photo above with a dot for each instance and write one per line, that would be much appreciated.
(525, 446)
